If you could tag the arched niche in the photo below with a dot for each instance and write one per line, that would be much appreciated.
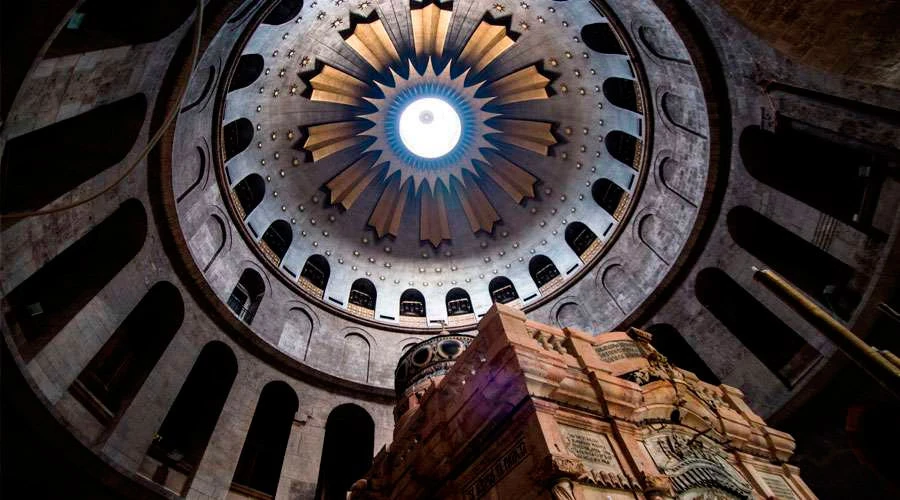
(296, 333)
(609, 196)
(249, 192)
(355, 357)
(114, 375)
(458, 302)
(40, 306)
(544, 273)
(363, 297)
(315, 274)
(502, 290)
(623, 147)
(412, 303)
(44, 164)
(669, 341)
(582, 240)
(285, 11)
(248, 69)
(813, 270)
(276, 241)
(181, 440)
(247, 295)
(785, 353)
(835, 179)
(236, 137)
(208, 242)
(600, 37)
(259, 465)
(347, 451)
(622, 93)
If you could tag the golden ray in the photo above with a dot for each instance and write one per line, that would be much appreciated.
(478, 209)
(430, 25)
(513, 179)
(434, 226)
(325, 140)
(388, 211)
(372, 42)
(486, 44)
(334, 85)
(346, 187)
(530, 135)
(527, 84)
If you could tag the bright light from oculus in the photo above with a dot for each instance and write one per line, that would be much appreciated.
(430, 127)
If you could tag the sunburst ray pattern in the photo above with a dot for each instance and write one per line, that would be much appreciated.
(396, 82)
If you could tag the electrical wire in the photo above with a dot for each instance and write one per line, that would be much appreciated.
(195, 52)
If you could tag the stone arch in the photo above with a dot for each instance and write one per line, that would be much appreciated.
(236, 137)
(259, 465)
(569, 313)
(621, 287)
(46, 301)
(684, 113)
(116, 373)
(785, 353)
(191, 419)
(247, 295)
(44, 164)
(201, 171)
(283, 12)
(600, 37)
(355, 357)
(247, 71)
(821, 275)
(680, 179)
(209, 241)
(622, 93)
(296, 333)
(655, 233)
(346, 452)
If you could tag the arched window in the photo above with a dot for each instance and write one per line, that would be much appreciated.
(248, 69)
(104, 24)
(259, 466)
(816, 272)
(116, 373)
(276, 241)
(347, 451)
(236, 136)
(609, 196)
(777, 346)
(623, 147)
(412, 303)
(582, 241)
(44, 164)
(314, 276)
(247, 295)
(600, 38)
(362, 298)
(621, 93)
(502, 290)
(182, 438)
(458, 302)
(43, 304)
(284, 12)
(249, 193)
(839, 180)
(668, 341)
(544, 273)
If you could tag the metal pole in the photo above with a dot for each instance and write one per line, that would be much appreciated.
(868, 358)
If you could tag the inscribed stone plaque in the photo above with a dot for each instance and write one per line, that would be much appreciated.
(778, 486)
(618, 350)
(592, 448)
(496, 471)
